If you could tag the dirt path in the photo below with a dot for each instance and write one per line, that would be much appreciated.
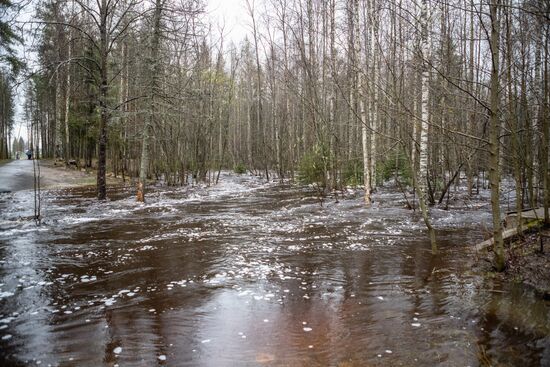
(19, 175)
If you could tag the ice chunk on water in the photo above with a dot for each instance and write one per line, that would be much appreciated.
(380, 298)
(162, 357)
(415, 324)
(205, 341)
(117, 350)
(6, 294)
(6, 337)
(307, 329)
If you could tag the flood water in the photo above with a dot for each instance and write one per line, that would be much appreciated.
(253, 274)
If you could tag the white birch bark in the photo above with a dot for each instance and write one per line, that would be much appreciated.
(362, 113)
(424, 124)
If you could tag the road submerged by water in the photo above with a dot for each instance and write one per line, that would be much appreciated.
(248, 273)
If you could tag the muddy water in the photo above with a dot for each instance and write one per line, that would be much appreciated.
(253, 274)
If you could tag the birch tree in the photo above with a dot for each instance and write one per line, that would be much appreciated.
(424, 123)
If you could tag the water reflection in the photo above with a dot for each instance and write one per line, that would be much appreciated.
(248, 274)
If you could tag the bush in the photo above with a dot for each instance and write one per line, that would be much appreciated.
(352, 174)
(239, 168)
(396, 163)
(311, 168)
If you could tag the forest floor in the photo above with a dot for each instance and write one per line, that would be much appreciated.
(525, 263)
(56, 175)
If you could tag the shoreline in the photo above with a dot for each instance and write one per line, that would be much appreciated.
(525, 263)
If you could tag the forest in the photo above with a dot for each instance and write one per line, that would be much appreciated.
(333, 93)
(438, 98)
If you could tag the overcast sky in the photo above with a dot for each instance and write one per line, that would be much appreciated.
(231, 14)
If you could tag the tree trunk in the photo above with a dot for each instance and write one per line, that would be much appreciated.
(153, 91)
(374, 91)
(425, 115)
(103, 95)
(546, 134)
(68, 103)
(494, 130)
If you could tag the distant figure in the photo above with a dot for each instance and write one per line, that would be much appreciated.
(29, 154)
(17, 155)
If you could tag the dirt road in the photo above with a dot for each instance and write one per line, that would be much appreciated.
(18, 175)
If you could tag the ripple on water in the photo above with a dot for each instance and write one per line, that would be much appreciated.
(195, 272)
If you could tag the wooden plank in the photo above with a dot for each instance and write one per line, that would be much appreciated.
(527, 216)
(531, 214)
(528, 219)
(506, 234)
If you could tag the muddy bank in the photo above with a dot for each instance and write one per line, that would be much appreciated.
(525, 263)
